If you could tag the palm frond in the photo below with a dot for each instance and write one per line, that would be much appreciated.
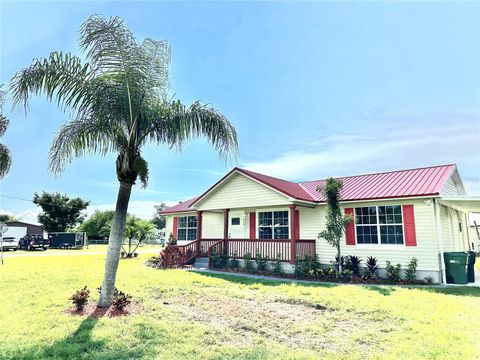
(62, 77)
(176, 124)
(141, 167)
(158, 54)
(85, 135)
(5, 160)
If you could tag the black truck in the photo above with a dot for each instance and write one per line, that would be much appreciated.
(33, 241)
(67, 240)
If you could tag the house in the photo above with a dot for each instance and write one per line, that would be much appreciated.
(19, 229)
(399, 215)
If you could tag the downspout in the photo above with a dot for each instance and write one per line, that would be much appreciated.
(467, 230)
(440, 240)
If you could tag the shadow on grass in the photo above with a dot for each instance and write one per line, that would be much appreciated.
(80, 345)
(382, 289)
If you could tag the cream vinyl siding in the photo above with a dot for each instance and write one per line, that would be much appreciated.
(212, 225)
(450, 188)
(312, 221)
(241, 192)
(453, 238)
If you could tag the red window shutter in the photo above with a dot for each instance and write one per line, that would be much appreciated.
(297, 225)
(175, 227)
(350, 234)
(253, 225)
(409, 225)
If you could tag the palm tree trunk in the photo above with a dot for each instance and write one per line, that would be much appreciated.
(115, 245)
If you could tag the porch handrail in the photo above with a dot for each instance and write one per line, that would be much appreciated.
(216, 248)
(180, 255)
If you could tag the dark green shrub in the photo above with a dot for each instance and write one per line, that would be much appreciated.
(367, 275)
(233, 262)
(247, 262)
(219, 261)
(352, 263)
(329, 272)
(411, 270)
(261, 262)
(171, 240)
(372, 266)
(337, 261)
(393, 272)
(80, 298)
(120, 300)
(347, 274)
(307, 267)
(277, 265)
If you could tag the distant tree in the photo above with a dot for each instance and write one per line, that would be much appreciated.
(137, 229)
(98, 224)
(159, 220)
(336, 222)
(59, 212)
(5, 155)
(5, 218)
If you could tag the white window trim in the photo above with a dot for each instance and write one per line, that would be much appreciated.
(379, 245)
(186, 228)
(272, 210)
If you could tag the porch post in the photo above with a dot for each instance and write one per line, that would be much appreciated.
(293, 240)
(225, 227)
(199, 231)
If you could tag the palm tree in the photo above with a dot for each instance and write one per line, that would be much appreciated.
(118, 100)
(5, 155)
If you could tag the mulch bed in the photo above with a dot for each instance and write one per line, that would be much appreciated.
(92, 310)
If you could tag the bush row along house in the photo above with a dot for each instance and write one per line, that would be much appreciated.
(398, 215)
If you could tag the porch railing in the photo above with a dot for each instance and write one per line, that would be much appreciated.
(176, 256)
(271, 249)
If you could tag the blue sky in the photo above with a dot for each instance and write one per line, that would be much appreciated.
(314, 90)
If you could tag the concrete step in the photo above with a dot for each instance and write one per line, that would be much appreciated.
(201, 263)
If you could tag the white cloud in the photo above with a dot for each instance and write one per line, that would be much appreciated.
(369, 151)
(28, 216)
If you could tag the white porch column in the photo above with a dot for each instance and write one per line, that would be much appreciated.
(440, 240)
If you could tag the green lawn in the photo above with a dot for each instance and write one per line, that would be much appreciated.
(193, 316)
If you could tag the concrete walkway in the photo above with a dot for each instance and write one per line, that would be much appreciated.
(297, 281)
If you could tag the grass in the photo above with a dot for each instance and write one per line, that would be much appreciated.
(188, 315)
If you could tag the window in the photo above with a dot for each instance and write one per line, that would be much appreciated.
(273, 225)
(379, 224)
(235, 221)
(187, 228)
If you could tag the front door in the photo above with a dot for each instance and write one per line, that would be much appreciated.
(236, 224)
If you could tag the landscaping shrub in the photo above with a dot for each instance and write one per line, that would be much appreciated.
(428, 280)
(352, 263)
(329, 272)
(171, 240)
(307, 267)
(277, 265)
(120, 300)
(347, 274)
(411, 270)
(233, 262)
(393, 272)
(248, 263)
(367, 275)
(219, 261)
(372, 266)
(80, 298)
(336, 262)
(260, 262)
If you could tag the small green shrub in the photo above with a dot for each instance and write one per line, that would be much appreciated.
(329, 272)
(307, 267)
(367, 275)
(347, 274)
(337, 261)
(233, 262)
(372, 266)
(261, 262)
(411, 270)
(352, 263)
(219, 261)
(171, 240)
(120, 300)
(428, 280)
(277, 265)
(247, 262)
(80, 298)
(393, 272)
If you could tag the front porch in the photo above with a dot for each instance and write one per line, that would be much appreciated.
(270, 249)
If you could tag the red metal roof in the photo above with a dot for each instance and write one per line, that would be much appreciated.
(184, 206)
(387, 185)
